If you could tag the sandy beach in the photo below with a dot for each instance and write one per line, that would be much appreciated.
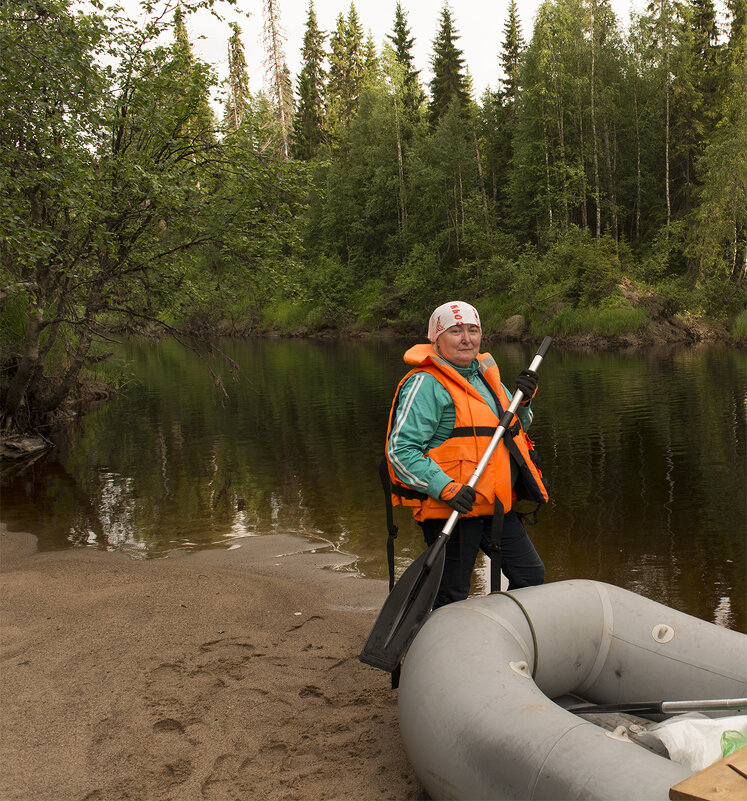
(222, 674)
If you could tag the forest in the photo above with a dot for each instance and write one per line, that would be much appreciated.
(601, 188)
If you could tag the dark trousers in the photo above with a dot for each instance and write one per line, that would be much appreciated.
(520, 561)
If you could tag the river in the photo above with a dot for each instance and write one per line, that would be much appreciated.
(644, 452)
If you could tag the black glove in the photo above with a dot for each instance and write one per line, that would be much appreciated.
(459, 496)
(527, 383)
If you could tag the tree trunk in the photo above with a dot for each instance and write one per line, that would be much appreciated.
(401, 207)
(667, 120)
(461, 197)
(734, 251)
(595, 146)
(638, 167)
(19, 384)
(743, 271)
(482, 182)
(611, 177)
(547, 174)
(582, 178)
(561, 141)
(274, 45)
(666, 151)
(52, 401)
(456, 214)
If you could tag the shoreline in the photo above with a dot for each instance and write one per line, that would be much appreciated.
(219, 674)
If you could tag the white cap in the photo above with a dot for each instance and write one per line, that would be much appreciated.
(457, 312)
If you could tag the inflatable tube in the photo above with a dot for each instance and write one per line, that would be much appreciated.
(475, 696)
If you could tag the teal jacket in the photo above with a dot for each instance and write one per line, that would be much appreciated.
(424, 419)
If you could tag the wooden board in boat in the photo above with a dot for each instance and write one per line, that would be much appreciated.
(725, 780)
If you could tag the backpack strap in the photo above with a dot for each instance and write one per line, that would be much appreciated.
(392, 529)
(496, 531)
(386, 483)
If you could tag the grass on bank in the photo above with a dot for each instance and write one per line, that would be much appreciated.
(739, 330)
(605, 322)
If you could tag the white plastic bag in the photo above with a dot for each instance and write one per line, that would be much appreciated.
(693, 739)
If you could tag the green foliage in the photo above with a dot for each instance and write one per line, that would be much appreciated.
(119, 203)
(495, 309)
(329, 288)
(238, 100)
(661, 257)
(716, 240)
(512, 52)
(676, 295)
(590, 320)
(309, 125)
(449, 83)
(288, 315)
(575, 267)
(420, 280)
(13, 322)
(346, 74)
(739, 329)
(591, 267)
(499, 275)
(402, 44)
(123, 204)
(376, 305)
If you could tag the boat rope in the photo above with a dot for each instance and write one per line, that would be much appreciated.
(531, 628)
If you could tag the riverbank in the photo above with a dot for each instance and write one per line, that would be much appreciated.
(681, 330)
(221, 674)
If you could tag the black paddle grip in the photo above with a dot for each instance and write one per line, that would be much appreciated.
(544, 347)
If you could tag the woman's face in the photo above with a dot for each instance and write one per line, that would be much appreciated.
(460, 344)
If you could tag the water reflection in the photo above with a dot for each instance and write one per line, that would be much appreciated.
(645, 455)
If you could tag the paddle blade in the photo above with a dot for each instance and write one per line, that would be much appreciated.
(404, 612)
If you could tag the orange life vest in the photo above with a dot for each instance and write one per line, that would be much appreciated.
(473, 429)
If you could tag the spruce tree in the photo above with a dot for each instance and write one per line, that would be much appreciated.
(737, 47)
(696, 90)
(663, 28)
(337, 83)
(281, 91)
(308, 126)
(497, 117)
(237, 103)
(718, 235)
(371, 65)
(402, 44)
(201, 125)
(355, 56)
(511, 54)
(707, 82)
(449, 81)
(346, 70)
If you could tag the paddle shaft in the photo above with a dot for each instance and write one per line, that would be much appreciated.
(503, 426)
(664, 707)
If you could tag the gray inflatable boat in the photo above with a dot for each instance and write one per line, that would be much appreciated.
(484, 684)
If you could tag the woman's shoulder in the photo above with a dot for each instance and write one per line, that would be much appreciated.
(425, 386)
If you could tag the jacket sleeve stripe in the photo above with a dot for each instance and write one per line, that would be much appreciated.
(399, 468)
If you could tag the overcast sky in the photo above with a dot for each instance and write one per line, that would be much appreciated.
(479, 23)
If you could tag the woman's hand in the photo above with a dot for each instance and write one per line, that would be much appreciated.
(459, 496)
(527, 383)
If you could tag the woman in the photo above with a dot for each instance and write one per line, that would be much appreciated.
(444, 414)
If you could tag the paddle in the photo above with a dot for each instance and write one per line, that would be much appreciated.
(662, 707)
(412, 597)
